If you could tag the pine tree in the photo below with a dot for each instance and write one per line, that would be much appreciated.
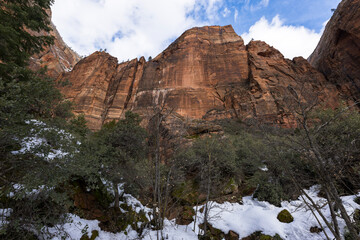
(24, 97)
(17, 19)
(23, 94)
(113, 153)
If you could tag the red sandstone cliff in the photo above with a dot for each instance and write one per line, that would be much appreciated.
(58, 58)
(207, 73)
(101, 88)
(337, 55)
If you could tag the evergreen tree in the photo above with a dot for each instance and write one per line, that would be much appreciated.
(17, 19)
(31, 164)
(114, 152)
(24, 94)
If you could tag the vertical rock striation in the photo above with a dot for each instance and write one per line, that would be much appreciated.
(207, 73)
(193, 73)
(101, 88)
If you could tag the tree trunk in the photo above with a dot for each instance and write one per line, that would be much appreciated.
(117, 196)
(333, 214)
(206, 211)
(318, 211)
(157, 194)
(317, 219)
(166, 197)
(196, 212)
(328, 180)
(345, 216)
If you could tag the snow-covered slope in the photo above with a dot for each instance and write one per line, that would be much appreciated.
(243, 218)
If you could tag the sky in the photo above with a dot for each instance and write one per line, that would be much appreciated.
(129, 29)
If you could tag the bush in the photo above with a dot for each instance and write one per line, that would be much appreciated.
(357, 219)
(270, 192)
(94, 235)
(260, 236)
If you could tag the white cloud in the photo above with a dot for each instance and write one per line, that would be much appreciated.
(290, 40)
(236, 14)
(255, 6)
(226, 12)
(129, 29)
(210, 7)
(264, 3)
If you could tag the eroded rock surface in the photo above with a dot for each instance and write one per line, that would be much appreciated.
(207, 73)
(100, 87)
(337, 55)
(273, 80)
(193, 73)
(58, 58)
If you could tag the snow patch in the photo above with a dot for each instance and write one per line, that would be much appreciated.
(37, 144)
(254, 215)
(244, 219)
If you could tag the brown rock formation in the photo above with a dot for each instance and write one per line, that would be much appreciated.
(337, 55)
(193, 72)
(58, 58)
(271, 77)
(101, 88)
(207, 73)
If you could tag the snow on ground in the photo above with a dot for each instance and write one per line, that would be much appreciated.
(19, 188)
(4, 213)
(256, 215)
(78, 226)
(244, 219)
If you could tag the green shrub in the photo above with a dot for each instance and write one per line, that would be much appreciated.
(357, 216)
(94, 235)
(186, 193)
(357, 219)
(347, 236)
(230, 187)
(269, 192)
(265, 237)
(260, 236)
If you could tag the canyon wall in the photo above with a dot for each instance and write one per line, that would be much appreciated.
(57, 58)
(337, 55)
(208, 73)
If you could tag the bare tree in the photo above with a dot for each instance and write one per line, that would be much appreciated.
(162, 143)
(212, 159)
(328, 147)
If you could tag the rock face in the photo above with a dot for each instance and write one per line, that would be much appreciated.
(337, 55)
(273, 79)
(207, 73)
(58, 57)
(194, 72)
(101, 88)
